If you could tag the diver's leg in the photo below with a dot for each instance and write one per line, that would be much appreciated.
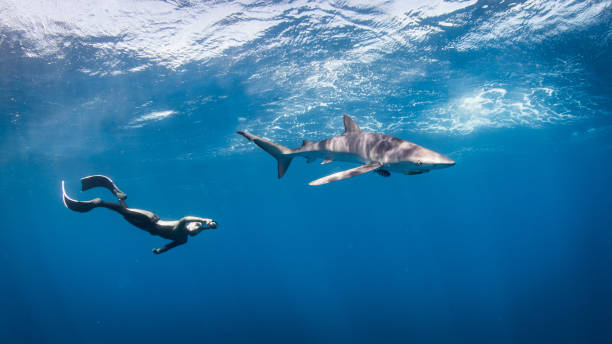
(102, 181)
(113, 206)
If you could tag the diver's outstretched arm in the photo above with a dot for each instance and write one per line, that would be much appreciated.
(168, 246)
(210, 223)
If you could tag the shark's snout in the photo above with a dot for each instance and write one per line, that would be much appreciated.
(446, 162)
(438, 161)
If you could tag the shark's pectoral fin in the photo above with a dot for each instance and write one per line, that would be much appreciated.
(347, 174)
(326, 161)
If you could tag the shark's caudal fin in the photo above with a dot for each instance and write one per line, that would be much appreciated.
(280, 152)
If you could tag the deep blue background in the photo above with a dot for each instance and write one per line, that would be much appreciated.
(511, 245)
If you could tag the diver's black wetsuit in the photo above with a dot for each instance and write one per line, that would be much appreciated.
(173, 230)
(142, 219)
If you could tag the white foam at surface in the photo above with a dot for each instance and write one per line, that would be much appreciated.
(162, 33)
(158, 115)
(154, 30)
(533, 21)
(172, 35)
(494, 107)
(153, 116)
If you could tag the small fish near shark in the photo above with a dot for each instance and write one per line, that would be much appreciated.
(380, 153)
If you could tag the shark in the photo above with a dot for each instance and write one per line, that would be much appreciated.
(373, 152)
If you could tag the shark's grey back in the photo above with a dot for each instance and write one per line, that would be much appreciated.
(362, 146)
(367, 146)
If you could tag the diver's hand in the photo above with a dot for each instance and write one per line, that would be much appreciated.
(157, 251)
(211, 224)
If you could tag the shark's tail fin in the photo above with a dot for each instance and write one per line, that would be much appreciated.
(280, 152)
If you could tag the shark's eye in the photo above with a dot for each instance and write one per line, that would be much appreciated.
(419, 163)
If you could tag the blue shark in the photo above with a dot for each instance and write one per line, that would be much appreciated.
(380, 153)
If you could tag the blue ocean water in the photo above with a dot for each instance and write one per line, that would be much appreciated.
(511, 245)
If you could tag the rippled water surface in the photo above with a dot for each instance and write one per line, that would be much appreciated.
(511, 245)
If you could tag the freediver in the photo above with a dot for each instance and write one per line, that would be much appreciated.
(177, 230)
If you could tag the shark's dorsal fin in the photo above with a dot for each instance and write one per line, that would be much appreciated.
(350, 126)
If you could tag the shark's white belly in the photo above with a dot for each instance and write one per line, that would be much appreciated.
(404, 167)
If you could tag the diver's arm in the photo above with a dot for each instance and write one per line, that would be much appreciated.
(203, 221)
(192, 219)
(168, 246)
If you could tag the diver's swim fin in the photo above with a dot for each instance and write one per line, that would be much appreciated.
(90, 182)
(79, 206)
